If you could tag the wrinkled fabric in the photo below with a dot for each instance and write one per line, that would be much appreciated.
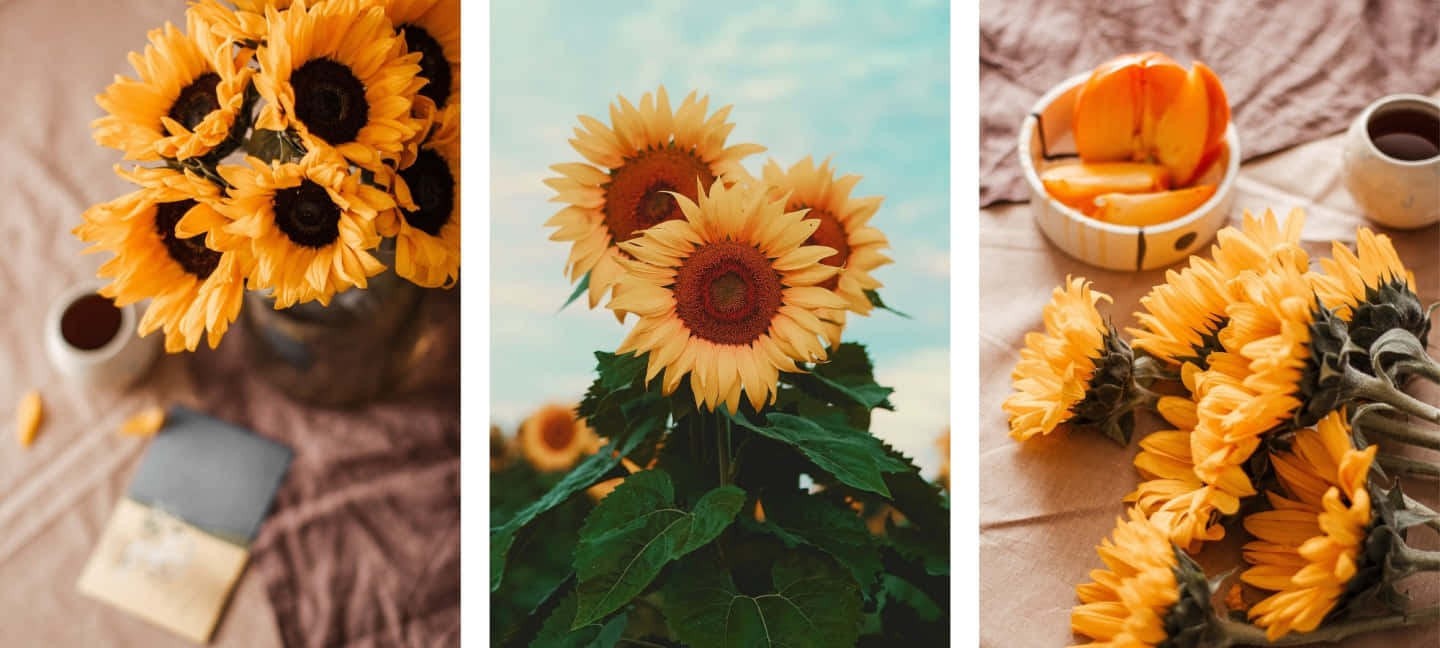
(1293, 71)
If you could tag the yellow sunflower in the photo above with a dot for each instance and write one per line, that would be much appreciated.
(1134, 602)
(1181, 317)
(1172, 497)
(243, 23)
(431, 27)
(189, 100)
(308, 225)
(338, 74)
(554, 438)
(194, 290)
(635, 163)
(728, 295)
(426, 224)
(843, 226)
(1055, 367)
(1307, 548)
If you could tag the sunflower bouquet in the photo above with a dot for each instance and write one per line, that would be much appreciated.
(281, 147)
(1274, 377)
(733, 464)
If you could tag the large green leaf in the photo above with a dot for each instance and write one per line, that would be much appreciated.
(853, 456)
(556, 633)
(583, 476)
(797, 518)
(813, 604)
(637, 530)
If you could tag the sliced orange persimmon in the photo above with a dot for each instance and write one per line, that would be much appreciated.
(1078, 184)
(1153, 208)
(1107, 111)
(1219, 107)
(1181, 132)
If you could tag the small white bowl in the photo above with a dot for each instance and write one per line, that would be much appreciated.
(114, 366)
(1116, 247)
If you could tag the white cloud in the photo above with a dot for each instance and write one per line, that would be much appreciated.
(921, 380)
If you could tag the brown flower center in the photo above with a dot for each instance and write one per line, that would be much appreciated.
(196, 101)
(329, 100)
(190, 253)
(432, 187)
(557, 431)
(306, 215)
(727, 293)
(434, 67)
(635, 198)
(830, 234)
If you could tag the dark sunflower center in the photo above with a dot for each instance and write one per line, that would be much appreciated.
(190, 253)
(557, 432)
(329, 100)
(727, 293)
(434, 67)
(432, 187)
(196, 101)
(306, 214)
(635, 198)
(830, 234)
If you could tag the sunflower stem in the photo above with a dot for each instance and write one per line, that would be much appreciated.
(1401, 431)
(1405, 466)
(722, 447)
(1379, 390)
(1411, 560)
(1240, 633)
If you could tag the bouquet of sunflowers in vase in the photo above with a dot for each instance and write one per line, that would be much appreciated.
(281, 147)
(729, 448)
(1284, 386)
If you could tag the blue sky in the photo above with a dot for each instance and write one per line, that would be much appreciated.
(866, 82)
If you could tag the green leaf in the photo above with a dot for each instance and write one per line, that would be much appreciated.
(813, 604)
(849, 372)
(637, 530)
(583, 476)
(852, 456)
(797, 518)
(875, 301)
(556, 632)
(264, 144)
(580, 289)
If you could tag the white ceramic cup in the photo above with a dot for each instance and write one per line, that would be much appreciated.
(1403, 194)
(114, 365)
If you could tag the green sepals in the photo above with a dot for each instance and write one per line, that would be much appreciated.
(637, 530)
(1321, 388)
(1388, 306)
(797, 519)
(1374, 588)
(587, 473)
(809, 602)
(580, 289)
(1111, 397)
(557, 633)
(875, 301)
(1209, 343)
(853, 456)
(1188, 622)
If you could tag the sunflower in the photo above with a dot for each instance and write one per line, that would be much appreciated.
(728, 295)
(646, 153)
(426, 224)
(431, 27)
(843, 226)
(338, 74)
(1182, 317)
(1054, 374)
(553, 438)
(1150, 594)
(1172, 497)
(194, 290)
(1308, 547)
(189, 100)
(1373, 290)
(309, 225)
(244, 23)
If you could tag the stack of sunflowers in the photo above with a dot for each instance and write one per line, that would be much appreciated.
(345, 117)
(1274, 376)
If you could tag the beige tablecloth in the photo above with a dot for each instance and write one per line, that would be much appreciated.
(1045, 504)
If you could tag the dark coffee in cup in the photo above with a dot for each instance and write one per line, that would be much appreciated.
(1405, 133)
(90, 322)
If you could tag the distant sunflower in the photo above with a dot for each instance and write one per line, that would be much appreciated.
(1059, 377)
(188, 102)
(635, 163)
(431, 27)
(244, 22)
(426, 223)
(337, 73)
(554, 438)
(194, 290)
(1182, 317)
(309, 225)
(728, 294)
(1311, 545)
(1150, 594)
(1172, 497)
(843, 226)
